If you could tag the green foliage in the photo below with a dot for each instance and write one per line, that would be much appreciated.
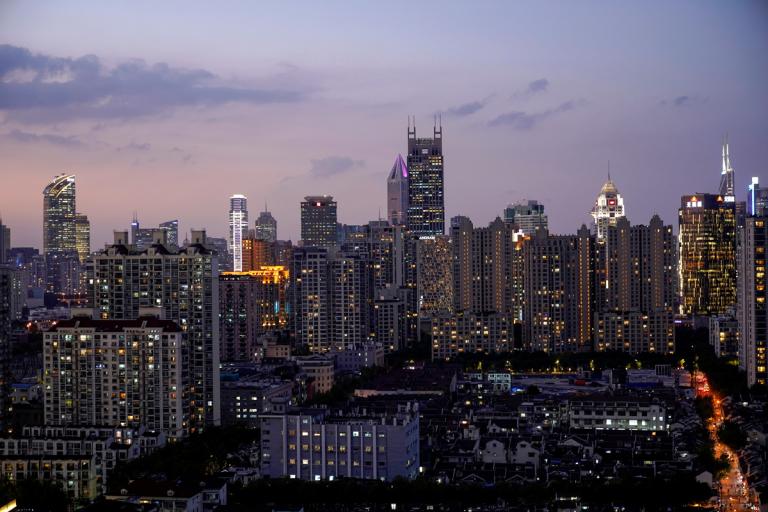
(343, 389)
(704, 407)
(731, 435)
(325, 495)
(37, 495)
(198, 456)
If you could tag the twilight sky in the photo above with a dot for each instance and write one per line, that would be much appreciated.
(168, 108)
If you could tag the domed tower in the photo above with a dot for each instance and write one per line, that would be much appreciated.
(609, 207)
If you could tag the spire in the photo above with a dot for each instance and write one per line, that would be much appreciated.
(727, 186)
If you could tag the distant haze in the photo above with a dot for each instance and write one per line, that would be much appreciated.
(168, 108)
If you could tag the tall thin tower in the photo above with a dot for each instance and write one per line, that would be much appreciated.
(727, 188)
(238, 229)
(426, 204)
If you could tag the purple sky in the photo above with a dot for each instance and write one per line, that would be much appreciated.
(168, 109)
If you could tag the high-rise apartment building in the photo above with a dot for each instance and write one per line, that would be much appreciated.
(256, 252)
(238, 229)
(82, 236)
(59, 232)
(527, 217)
(483, 266)
(635, 288)
(434, 282)
(558, 284)
(331, 298)
(319, 221)
(251, 304)
(752, 310)
(608, 209)
(184, 283)
(707, 254)
(397, 193)
(116, 373)
(426, 202)
(266, 227)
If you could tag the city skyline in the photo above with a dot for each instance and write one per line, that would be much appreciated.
(514, 118)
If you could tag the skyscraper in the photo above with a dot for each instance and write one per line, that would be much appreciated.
(5, 242)
(59, 232)
(238, 229)
(426, 202)
(609, 208)
(707, 254)
(318, 221)
(397, 193)
(528, 217)
(727, 176)
(184, 283)
(758, 198)
(752, 310)
(172, 227)
(266, 226)
(82, 236)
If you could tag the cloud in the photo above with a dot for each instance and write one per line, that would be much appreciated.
(35, 87)
(684, 101)
(135, 146)
(47, 138)
(527, 121)
(332, 165)
(537, 86)
(466, 109)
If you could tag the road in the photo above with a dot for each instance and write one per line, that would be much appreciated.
(735, 493)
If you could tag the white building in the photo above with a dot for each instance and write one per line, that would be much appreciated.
(317, 447)
(238, 229)
(609, 207)
(616, 413)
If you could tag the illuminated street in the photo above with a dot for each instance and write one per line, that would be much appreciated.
(735, 493)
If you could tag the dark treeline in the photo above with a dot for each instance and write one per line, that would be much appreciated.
(652, 494)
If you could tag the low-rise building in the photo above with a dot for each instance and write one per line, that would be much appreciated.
(359, 356)
(243, 401)
(315, 445)
(321, 369)
(616, 413)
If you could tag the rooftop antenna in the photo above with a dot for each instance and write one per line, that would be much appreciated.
(609, 170)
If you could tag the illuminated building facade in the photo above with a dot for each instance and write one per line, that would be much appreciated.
(636, 288)
(331, 298)
(318, 221)
(426, 203)
(707, 254)
(558, 291)
(251, 303)
(82, 236)
(608, 209)
(758, 199)
(397, 193)
(59, 233)
(256, 252)
(752, 310)
(184, 283)
(435, 277)
(238, 229)
(115, 373)
(467, 332)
